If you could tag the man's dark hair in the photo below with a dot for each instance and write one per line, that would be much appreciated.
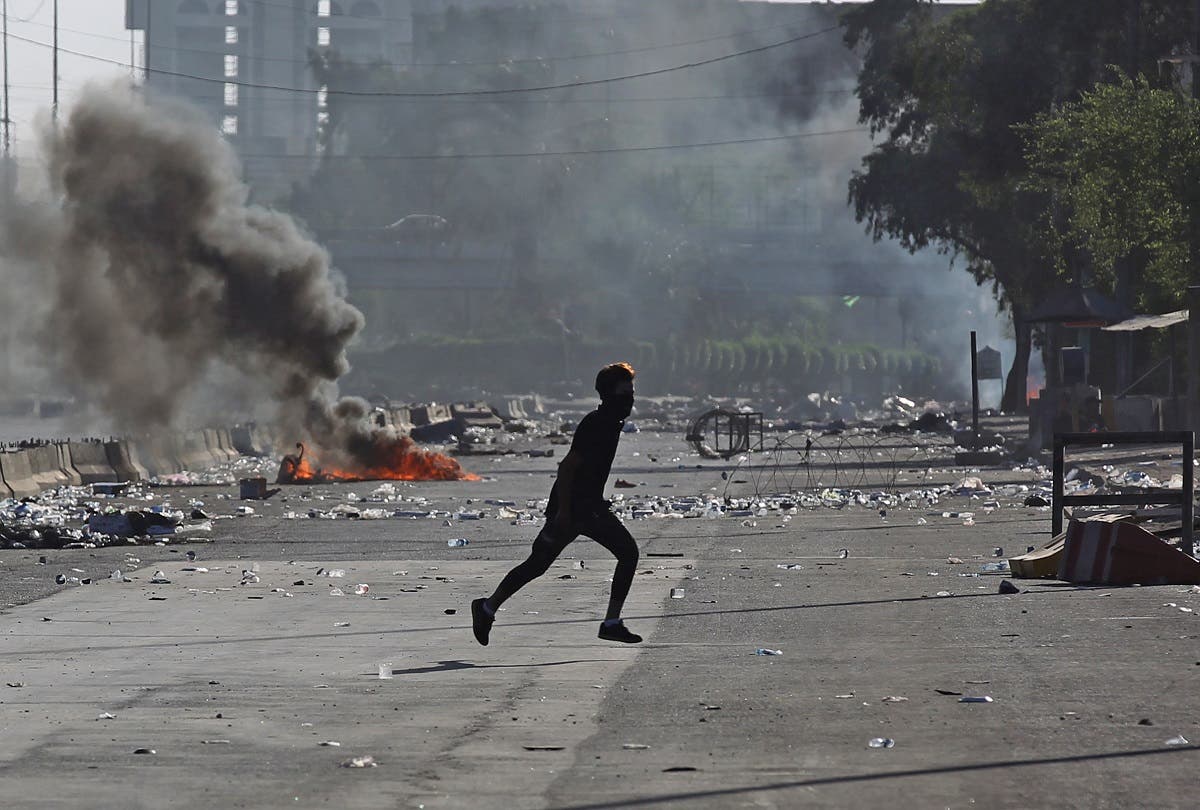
(613, 375)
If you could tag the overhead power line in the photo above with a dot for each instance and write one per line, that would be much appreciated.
(450, 93)
(570, 152)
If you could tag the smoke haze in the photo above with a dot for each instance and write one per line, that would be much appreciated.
(158, 278)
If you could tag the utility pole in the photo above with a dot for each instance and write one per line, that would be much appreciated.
(54, 67)
(7, 113)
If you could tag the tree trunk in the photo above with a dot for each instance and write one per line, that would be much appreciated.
(1013, 400)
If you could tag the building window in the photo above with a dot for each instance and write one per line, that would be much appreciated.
(229, 125)
(322, 8)
(322, 36)
(231, 35)
(231, 95)
(231, 66)
(323, 97)
(365, 9)
(231, 8)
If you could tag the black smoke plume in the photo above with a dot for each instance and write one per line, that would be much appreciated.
(157, 276)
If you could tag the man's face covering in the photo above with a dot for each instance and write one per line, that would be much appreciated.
(620, 400)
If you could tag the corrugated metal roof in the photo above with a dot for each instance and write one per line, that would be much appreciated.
(1140, 322)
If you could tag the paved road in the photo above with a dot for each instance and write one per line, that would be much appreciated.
(1087, 684)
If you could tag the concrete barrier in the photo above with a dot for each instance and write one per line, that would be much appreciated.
(429, 414)
(18, 474)
(64, 465)
(46, 467)
(226, 442)
(5, 492)
(512, 408)
(194, 453)
(213, 442)
(475, 414)
(91, 462)
(401, 418)
(157, 455)
(122, 462)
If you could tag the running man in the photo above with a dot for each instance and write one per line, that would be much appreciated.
(577, 506)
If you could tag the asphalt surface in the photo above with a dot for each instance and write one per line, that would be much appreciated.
(234, 686)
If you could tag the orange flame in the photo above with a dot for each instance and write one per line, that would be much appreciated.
(398, 460)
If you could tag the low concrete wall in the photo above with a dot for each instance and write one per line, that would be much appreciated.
(193, 451)
(18, 474)
(90, 460)
(226, 443)
(64, 465)
(429, 414)
(122, 462)
(46, 466)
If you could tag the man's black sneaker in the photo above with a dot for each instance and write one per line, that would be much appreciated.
(481, 622)
(618, 632)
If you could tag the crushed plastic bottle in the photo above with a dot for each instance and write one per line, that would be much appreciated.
(361, 589)
(766, 651)
(881, 742)
(457, 542)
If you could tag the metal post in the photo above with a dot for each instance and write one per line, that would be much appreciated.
(54, 67)
(1056, 499)
(1189, 454)
(974, 394)
(1193, 382)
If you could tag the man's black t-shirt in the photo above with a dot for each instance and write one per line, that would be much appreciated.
(596, 442)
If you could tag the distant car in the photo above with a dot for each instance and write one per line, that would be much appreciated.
(419, 223)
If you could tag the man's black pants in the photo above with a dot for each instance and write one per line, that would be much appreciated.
(605, 529)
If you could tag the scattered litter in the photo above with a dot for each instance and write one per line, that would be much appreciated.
(1178, 740)
(790, 566)
(329, 744)
(341, 624)
(635, 746)
(544, 747)
(677, 593)
(457, 542)
(893, 699)
(107, 716)
(881, 742)
(360, 762)
(979, 699)
(765, 651)
(843, 553)
(144, 751)
(1008, 587)
(214, 742)
(361, 589)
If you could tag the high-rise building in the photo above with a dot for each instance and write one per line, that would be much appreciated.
(248, 65)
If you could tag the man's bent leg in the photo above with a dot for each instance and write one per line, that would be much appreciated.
(545, 551)
(606, 530)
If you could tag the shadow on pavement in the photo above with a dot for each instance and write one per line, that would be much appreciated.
(874, 777)
(175, 641)
(449, 666)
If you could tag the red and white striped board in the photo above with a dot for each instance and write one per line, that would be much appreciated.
(1103, 552)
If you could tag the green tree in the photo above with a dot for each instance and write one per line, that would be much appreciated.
(948, 90)
(1123, 165)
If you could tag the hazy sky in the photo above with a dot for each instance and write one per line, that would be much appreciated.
(88, 26)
